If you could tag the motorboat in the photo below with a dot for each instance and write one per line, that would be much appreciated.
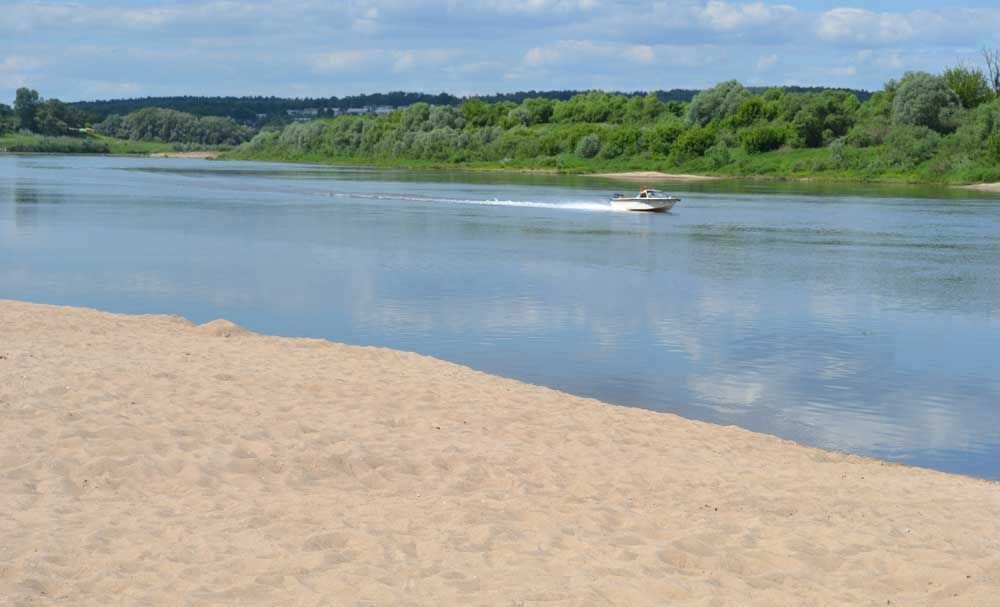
(647, 199)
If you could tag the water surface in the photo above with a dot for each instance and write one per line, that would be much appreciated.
(865, 319)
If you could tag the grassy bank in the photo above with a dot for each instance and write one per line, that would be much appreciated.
(922, 128)
(89, 144)
(791, 164)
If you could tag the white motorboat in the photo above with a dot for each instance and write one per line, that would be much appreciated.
(648, 199)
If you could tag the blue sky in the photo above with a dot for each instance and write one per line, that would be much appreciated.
(117, 48)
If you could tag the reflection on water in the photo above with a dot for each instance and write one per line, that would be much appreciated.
(856, 318)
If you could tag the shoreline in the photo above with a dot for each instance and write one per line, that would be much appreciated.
(205, 463)
(201, 155)
(983, 187)
(623, 175)
(653, 176)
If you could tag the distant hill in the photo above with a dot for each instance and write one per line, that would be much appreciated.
(248, 110)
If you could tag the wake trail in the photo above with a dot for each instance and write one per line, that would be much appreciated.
(496, 202)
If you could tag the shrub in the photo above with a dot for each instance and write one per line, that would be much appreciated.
(761, 139)
(661, 137)
(716, 103)
(908, 146)
(622, 141)
(695, 141)
(924, 100)
(748, 112)
(969, 84)
(57, 145)
(993, 147)
(866, 136)
(718, 155)
(588, 146)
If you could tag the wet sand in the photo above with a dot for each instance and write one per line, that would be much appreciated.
(984, 187)
(653, 176)
(145, 460)
(204, 155)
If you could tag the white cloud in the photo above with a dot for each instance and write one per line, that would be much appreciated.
(367, 22)
(577, 51)
(959, 26)
(767, 61)
(339, 61)
(859, 25)
(530, 7)
(640, 53)
(885, 59)
(398, 61)
(409, 59)
(845, 71)
(727, 17)
(15, 70)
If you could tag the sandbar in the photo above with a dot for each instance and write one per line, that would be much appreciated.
(146, 460)
(653, 176)
(203, 155)
(985, 187)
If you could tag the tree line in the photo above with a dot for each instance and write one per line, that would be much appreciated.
(248, 110)
(171, 126)
(926, 126)
(41, 116)
(34, 115)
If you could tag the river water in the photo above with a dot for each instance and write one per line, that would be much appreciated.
(857, 318)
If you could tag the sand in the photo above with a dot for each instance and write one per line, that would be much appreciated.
(148, 461)
(204, 155)
(985, 187)
(653, 176)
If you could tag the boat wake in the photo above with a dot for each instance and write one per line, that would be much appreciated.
(495, 202)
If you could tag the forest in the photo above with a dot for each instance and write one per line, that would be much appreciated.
(923, 127)
(171, 126)
(35, 124)
(258, 111)
(250, 110)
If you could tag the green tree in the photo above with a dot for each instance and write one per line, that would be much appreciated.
(171, 126)
(591, 107)
(992, 57)
(822, 117)
(623, 141)
(969, 84)
(417, 117)
(694, 142)
(993, 147)
(748, 112)
(925, 100)
(26, 102)
(652, 107)
(588, 146)
(909, 145)
(53, 117)
(660, 139)
(538, 110)
(763, 138)
(6, 118)
(716, 103)
(478, 113)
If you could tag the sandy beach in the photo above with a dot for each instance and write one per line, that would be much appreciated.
(145, 460)
(202, 155)
(984, 187)
(653, 176)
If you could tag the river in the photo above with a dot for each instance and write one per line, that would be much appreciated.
(858, 318)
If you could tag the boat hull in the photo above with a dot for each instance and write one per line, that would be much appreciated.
(649, 205)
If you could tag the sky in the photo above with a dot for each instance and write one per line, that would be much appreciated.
(92, 49)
